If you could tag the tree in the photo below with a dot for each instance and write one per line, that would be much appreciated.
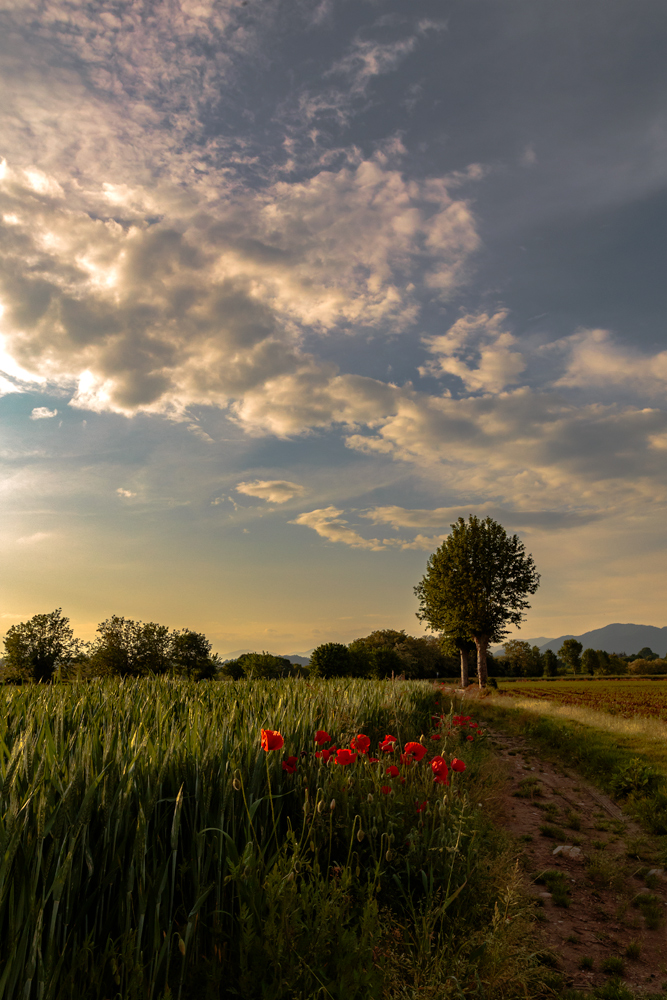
(590, 661)
(646, 653)
(36, 649)
(190, 654)
(549, 663)
(131, 649)
(570, 651)
(462, 646)
(524, 659)
(331, 659)
(476, 584)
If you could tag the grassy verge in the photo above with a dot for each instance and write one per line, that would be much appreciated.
(626, 762)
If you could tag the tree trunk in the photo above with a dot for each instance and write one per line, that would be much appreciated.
(464, 668)
(482, 643)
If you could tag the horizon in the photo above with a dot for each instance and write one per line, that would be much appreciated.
(287, 288)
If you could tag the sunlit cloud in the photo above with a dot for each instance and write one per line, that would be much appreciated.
(271, 490)
(329, 523)
(42, 413)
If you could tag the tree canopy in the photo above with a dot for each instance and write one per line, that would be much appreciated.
(36, 649)
(476, 584)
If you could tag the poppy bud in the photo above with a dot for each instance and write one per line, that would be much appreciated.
(333, 805)
(320, 806)
(360, 835)
(236, 785)
(369, 797)
(389, 855)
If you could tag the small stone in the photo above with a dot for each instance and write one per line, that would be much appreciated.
(657, 871)
(561, 849)
(545, 895)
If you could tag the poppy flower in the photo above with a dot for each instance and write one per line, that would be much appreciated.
(387, 744)
(360, 743)
(414, 751)
(470, 738)
(439, 766)
(436, 736)
(324, 754)
(420, 806)
(289, 765)
(474, 725)
(386, 789)
(344, 757)
(322, 737)
(457, 765)
(271, 740)
(373, 760)
(392, 771)
(441, 780)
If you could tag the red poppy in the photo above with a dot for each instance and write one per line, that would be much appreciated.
(414, 751)
(345, 757)
(470, 737)
(392, 771)
(439, 780)
(322, 737)
(360, 743)
(387, 744)
(289, 765)
(457, 765)
(436, 736)
(474, 725)
(324, 754)
(271, 740)
(439, 766)
(386, 789)
(420, 806)
(373, 760)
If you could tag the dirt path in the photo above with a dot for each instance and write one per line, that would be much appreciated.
(599, 897)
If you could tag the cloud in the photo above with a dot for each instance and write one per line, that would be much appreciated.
(34, 539)
(208, 305)
(43, 413)
(444, 517)
(367, 59)
(478, 350)
(329, 523)
(271, 490)
(125, 493)
(595, 360)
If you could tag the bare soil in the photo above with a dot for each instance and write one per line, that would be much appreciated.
(546, 807)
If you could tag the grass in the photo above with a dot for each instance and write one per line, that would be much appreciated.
(150, 849)
(651, 909)
(613, 966)
(633, 950)
(557, 885)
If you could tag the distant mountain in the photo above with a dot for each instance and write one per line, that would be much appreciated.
(539, 641)
(617, 638)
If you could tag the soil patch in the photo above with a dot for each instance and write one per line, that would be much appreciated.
(598, 895)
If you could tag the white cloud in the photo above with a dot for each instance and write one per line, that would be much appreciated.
(329, 523)
(42, 413)
(271, 490)
(124, 493)
(34, 539)
(477, 349)
(595, 360)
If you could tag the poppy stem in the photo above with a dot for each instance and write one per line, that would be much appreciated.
(273, 814)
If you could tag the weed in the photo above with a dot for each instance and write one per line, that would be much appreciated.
(572, 939)
(526, 838)
(556, 883)
(529, 788)
(613, 966)
(550, 809)
(555, 832)
(633, 950)
(603, 826)
(635, 776)
(605, 870)
(572, 820)
(635, 847)
(651, 909)
(586, 962)
(613, 989)
(599, 845)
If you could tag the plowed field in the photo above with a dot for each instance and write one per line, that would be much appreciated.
(617, 697)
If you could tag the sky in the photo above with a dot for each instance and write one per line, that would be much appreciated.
(288, 286)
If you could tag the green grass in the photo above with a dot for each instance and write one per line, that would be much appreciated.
(150, 849)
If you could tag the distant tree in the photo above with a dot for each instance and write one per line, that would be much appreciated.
(646, 653)
(570, 651)
(524, 659)
(476, 584)
(549, 663)
(590, 662)
(40, 647)
(127, 648)
(388, 650)
(331, 659)
(254, 666)
(190, 654)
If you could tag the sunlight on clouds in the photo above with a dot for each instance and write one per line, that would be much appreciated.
(595, 360)
(479, 340)
(43, 413)
(271, 490)
(329, 523)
